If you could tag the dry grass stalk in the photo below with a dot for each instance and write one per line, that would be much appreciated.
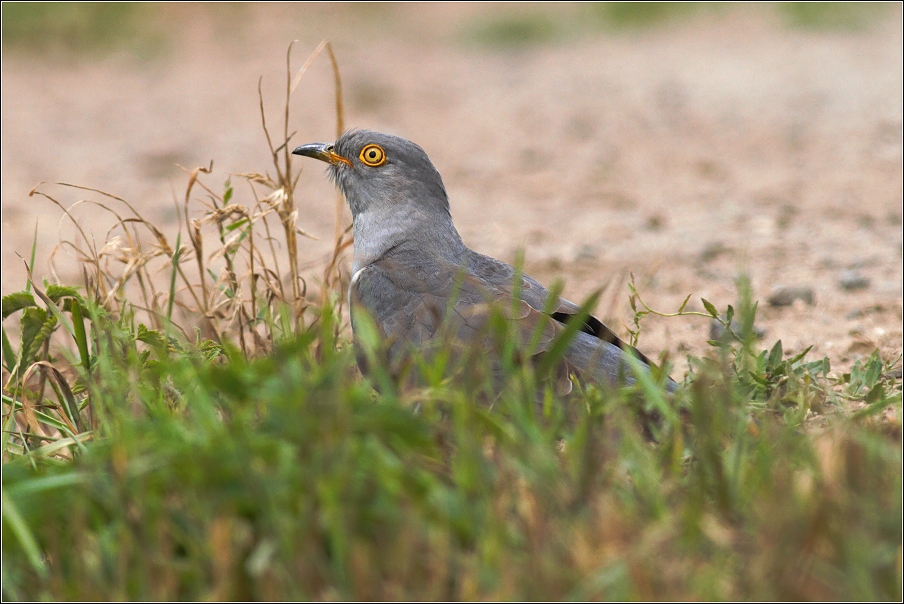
(237, 278)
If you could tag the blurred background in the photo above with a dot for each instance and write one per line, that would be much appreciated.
(685, 143)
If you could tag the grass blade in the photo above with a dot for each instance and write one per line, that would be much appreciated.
(23, 535)
(31, 261)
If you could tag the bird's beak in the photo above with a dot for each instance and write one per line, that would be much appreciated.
(323, 152)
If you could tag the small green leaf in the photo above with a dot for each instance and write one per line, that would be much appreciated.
(798, 357)
(31, 261)
(177, 254)
(56, 292)
(81, 337)
(710, 308)
(237, 224)
(52, 307)
(792, 416)
(16, 301)
(150, 336)
(9, 355)
(36, 326)
(210, 350)
(821, 366)
(775, 355)
(759, 379)
(873, 369)
(876, 393)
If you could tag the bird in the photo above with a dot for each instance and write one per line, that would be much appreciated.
(421, 285)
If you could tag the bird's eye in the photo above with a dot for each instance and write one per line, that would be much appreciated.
(373, 156)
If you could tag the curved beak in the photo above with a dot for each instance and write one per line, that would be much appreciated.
(323, 152)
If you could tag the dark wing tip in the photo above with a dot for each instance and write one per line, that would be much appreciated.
(598, 329)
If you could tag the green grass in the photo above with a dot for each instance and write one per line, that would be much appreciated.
(75, 30)
(207, 435)
(88, 28)
(506, 28)
(837, 16)
(200, 473)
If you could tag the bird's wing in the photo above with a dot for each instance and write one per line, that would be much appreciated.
(411, 306)
(499, 276)
(447, 306)
(440, 303)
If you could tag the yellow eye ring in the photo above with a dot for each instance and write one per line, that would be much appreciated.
(372, 155)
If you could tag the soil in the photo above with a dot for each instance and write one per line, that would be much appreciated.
(687, 153)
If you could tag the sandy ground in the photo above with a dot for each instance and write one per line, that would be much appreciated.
(684, 154)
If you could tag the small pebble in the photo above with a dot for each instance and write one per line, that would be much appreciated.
(894, 374)
(655, 222)
(587, 253)
(852, 281)
(712, 251)
(786, 295)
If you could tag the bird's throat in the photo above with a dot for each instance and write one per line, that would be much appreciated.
(379, 234)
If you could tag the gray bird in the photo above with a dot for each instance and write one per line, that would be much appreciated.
(419, 282)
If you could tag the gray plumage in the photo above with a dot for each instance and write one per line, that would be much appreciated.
(412, 271)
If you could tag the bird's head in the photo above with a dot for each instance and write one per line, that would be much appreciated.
(381, 171)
